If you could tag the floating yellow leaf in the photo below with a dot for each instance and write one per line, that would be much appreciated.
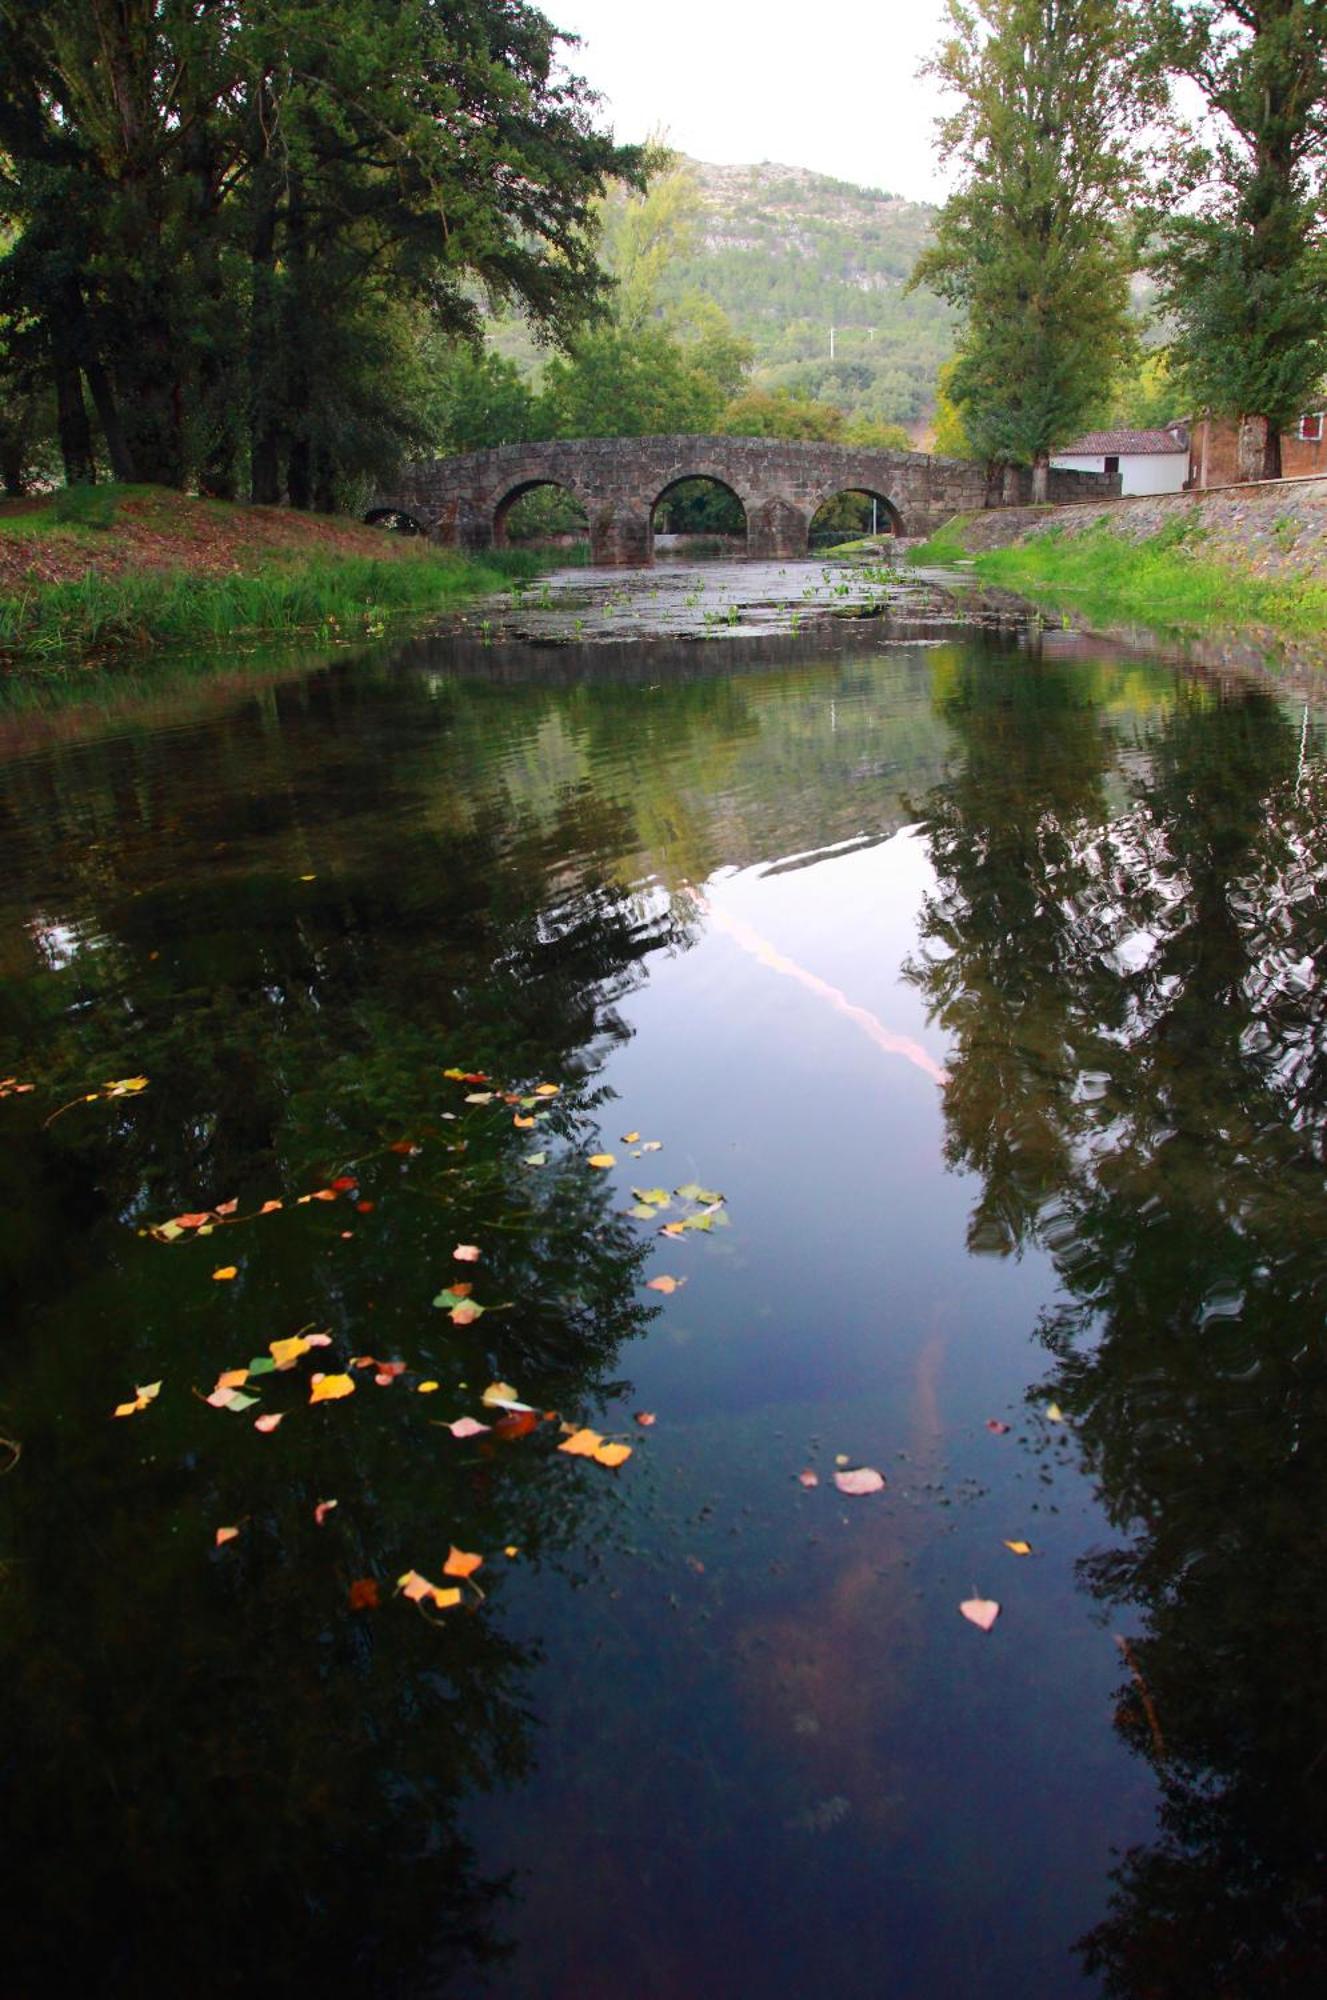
(630, 1138)
(582, 1444)
(1019, 1548)
(511, 1550)
(547, 1089)
(225, 1272)
(522, 1124)
(286, 1353)
(427, 1388)
(233, 1378)
(603, 1159)
(330, 1388)
(498, 1392)
(458, 1563)
(1054, 1413)
(126, 1086)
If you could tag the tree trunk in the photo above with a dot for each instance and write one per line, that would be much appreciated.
(123, 467)
(1041, 478)
(299, 473)
(264, 344)
(1259, 452)
(71, 413)
(11, 468)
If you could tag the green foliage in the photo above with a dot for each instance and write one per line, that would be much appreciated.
(1242, 260)
(779, 414)
(948, 437)
(1033, 248)
(1164, 580)
(234, 228)
(85, 506)
(619, 383)
(1147, 395)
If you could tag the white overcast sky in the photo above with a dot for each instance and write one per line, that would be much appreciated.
(836, 91)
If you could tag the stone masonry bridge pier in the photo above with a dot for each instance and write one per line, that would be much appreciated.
(463, 502)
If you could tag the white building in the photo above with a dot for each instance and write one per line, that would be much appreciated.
(1147, 461)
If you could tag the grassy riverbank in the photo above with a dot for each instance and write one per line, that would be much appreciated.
(115, 570)
(1184, 574)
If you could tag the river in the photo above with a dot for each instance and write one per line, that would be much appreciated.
(788, 1048)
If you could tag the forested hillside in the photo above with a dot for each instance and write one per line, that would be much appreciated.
(786, 254)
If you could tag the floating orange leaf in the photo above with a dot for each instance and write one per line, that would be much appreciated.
(419, 1590)
(227, 1207)
(581, 1444)
(458, 1563)
(809, 1478)
(330, 1388)
(143, 1395)
(224, 1535)
(233, 1378)
(523, 1124)
(645, 1418)
(225, 1272)
(270, 1207)
(665, 1284)
(612, 1454)
(322, 1510)
(511, 1551)
(466, 1253)
(1019, 1548)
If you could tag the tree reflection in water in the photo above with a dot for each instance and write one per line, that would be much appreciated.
(1134, 988)
(248, 1785)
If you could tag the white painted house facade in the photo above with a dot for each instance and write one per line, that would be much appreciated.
(1147, 461)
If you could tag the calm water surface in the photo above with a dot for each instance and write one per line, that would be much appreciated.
(982, 977)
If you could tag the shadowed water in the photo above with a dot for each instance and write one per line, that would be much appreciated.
(981, 974)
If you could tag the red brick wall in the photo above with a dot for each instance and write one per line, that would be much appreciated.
(1299, 458)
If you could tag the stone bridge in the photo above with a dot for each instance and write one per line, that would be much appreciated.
(464, 502)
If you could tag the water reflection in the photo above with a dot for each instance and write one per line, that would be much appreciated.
(1135, 993)
(684, 883)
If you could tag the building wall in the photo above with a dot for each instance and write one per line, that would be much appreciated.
(1143, 472)
(1214, 451)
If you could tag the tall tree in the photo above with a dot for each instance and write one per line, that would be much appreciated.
(1243, 260)
(1034, 246)
(225, 211)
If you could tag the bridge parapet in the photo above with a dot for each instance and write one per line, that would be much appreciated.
(463, 501)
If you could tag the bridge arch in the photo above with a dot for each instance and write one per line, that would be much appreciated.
(717, 508)
(852, 510)
(524, 490)
(395, 520)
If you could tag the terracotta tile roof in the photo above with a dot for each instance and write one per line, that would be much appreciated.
(1126, 444)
